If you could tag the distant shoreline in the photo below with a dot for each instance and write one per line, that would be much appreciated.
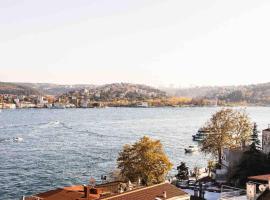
(150, 107)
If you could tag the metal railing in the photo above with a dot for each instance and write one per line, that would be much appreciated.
(228, 192)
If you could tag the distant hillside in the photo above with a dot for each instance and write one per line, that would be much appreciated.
(256, 94)
(55, 89)
(17, 89)
(251, 94)
(108, 91)
(114, 91)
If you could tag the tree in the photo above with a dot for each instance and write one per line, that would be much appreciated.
(252, 163)
(182, 171)
(227, 128)
(196, 173)
(210, 166)
(144, 159)
(254, 137)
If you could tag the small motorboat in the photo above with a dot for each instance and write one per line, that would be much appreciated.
(191, 149)
(17, 139)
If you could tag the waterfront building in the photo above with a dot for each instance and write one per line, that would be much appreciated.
(8, 106)
(84, 103)
(26, 104)
(114, 191)
(17, 102)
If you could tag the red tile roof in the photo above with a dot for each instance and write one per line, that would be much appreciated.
(264, 177)
(66, 193)
(144, 193)
(150, 193)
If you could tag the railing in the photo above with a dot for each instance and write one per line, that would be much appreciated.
(228, 192)
(31, 198)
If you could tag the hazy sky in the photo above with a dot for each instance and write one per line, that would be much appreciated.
(156, 42)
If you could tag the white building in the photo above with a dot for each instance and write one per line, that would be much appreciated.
(27, 104)
(84, 103)
(9, 106)
(142, 104)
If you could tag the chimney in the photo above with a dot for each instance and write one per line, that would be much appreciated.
(251, 191)
(164, 195)
(139, 182)
(86, 190)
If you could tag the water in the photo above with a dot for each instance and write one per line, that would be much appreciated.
(67, 147)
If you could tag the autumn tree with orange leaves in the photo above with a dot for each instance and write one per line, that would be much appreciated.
(145, 160)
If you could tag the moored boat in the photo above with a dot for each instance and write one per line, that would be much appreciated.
(200, 135)
(17, 139)
(191, 149)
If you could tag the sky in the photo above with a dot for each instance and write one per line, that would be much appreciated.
(176, 43)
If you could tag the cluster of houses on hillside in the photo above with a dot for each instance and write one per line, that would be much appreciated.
(107, 95)
(73, 101)
(8, 101)
(112, 94)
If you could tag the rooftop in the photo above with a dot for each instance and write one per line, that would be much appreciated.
(268, 129)
(150, 193)
(107, 192)
(264, 177)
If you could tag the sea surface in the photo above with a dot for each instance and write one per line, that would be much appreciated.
(67, 147)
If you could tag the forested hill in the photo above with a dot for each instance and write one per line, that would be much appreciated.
(56, 89)
(258, 94)
(104, 92)
(253, 94)
(17, 89)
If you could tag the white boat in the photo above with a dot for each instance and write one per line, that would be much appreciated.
(58, 106)
(191, 149)
(17, 139)
(142, 105)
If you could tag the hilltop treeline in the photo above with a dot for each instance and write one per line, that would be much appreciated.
(17, 89)
(256, 94)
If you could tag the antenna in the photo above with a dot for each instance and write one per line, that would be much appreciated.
(92, 182)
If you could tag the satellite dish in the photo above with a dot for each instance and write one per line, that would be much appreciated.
(262, 188)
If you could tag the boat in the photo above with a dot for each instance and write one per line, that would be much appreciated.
(58, 106)
(17, 139)
(191, 149)
(200, 135)
(143, 105)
